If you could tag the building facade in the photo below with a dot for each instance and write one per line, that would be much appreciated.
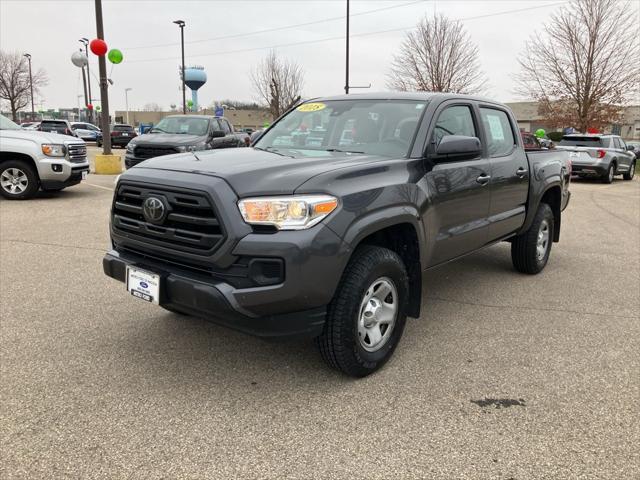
(530, 120)
(254, 119)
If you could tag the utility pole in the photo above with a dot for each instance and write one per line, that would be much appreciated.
(85, 42)
(33, 110)
(126, 102)
(104, 85)
(346, 74)
(181, 24)
(84, 85)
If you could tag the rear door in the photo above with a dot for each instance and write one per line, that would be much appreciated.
(510, 172)
(624, 156)
(458, 190)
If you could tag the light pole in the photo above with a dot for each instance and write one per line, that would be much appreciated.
(85, 42)
(33, 110)
(346, 74)
(181, 24)
(104, 86)
(126, 102)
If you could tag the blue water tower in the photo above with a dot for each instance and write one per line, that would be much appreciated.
(194, 78)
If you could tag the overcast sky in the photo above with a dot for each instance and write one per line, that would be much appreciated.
(223, 36)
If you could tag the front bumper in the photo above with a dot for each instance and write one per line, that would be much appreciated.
(216, 301)
(131, 160)
(70, 173)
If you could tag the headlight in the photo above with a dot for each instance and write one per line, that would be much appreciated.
(192, 148)
(287, 213)
(130, 147)
(54, 150)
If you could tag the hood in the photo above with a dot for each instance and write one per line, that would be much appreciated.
(40, 137)
(256, 172)
(172, 139)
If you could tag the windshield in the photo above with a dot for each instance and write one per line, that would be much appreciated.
(376, 127)
(183, 125)
(6, 124)
(581, 142)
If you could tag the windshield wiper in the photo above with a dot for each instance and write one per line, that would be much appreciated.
(341, 151)
(156, 129)
(273, 150)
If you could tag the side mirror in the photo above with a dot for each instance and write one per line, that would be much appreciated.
(217, 134)
(459, 147)
(630, 147)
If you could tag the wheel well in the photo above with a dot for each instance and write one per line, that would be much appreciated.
(403, 239)
(6, 156)
(553, 198)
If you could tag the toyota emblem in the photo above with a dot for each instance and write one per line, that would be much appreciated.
(153, 209)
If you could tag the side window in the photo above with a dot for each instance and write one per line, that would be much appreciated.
(225, 126)
(500, 138)
(616, 143)
(215, 125)
(456, 120)
(623, 145)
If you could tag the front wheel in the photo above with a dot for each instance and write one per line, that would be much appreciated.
(367, 315)
(530, 251)
(631, 173)
(18, 180)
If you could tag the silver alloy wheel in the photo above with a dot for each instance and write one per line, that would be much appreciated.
(543, 240)
(378, 314)
(14, 181)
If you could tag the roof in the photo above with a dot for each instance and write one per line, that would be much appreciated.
(417, 96)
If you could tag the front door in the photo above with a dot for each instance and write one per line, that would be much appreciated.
(458, 190)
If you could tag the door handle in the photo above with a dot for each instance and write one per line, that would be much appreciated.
(521, 172)
(483, 179)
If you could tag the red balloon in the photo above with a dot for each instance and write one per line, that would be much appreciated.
(98, 47)
(89, 106)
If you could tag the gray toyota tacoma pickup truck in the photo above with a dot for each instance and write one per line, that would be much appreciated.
(324, 227)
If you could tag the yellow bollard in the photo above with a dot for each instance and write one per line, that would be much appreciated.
(108, 164)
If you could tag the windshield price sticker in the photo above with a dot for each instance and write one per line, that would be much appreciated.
(311, 107)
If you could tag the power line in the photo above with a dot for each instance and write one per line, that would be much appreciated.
(341, 37)
(276, 29)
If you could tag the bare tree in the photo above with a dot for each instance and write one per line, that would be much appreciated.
(278, 83)
(438, 56)
(583, 66)
(151, 107)
(14, 81)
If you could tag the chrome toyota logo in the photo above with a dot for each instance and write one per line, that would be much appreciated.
(153, 209)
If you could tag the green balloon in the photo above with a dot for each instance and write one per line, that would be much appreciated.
(540, 133)
(115, 56)
(189, 103)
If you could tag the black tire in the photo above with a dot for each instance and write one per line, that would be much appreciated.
(631, 173)
(524, 248)
(611, 172)
(20, 169)
(339, 343)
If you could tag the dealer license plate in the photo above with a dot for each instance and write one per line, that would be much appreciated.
(85, 174)
(144, 285)
(125, 134)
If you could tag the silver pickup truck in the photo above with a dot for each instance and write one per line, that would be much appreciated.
(603, 156)
(32, 160)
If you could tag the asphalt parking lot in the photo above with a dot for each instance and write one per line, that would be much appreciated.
(505, 376)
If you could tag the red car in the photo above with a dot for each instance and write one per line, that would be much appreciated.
(530, 141)
(121, 135)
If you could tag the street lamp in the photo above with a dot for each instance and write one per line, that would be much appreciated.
(181, 24)
(126, 102)
(33, 110)
(346, 74)
(85, 41)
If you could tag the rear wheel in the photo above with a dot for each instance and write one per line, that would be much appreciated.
(611, 172)
(631, 173)
(367, 316)
(530, 251)
(18, 180)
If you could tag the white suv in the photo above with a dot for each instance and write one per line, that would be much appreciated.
(30, 160)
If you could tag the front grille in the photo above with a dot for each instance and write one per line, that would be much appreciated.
(190, 226)
(77, 153)
(147, 151)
